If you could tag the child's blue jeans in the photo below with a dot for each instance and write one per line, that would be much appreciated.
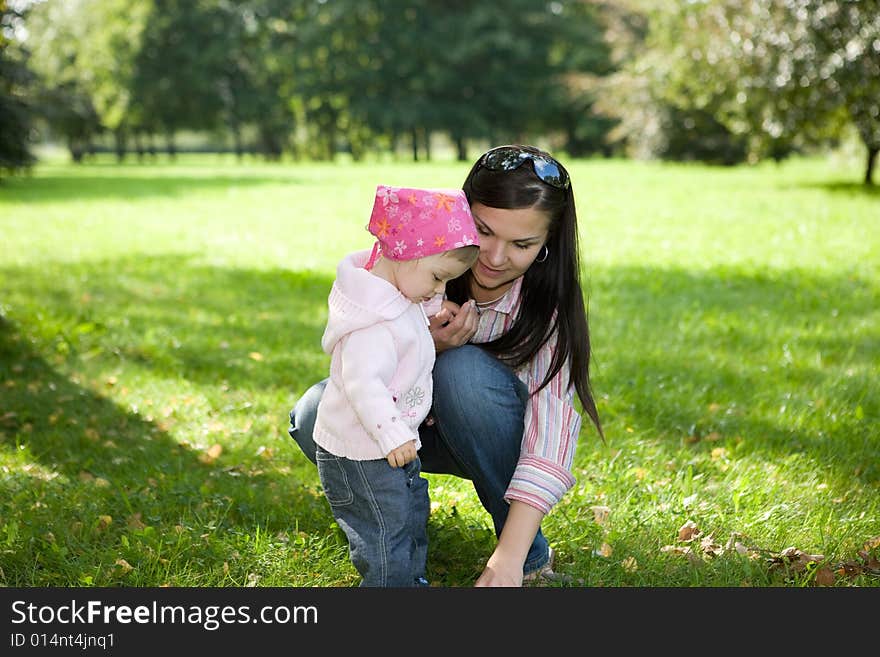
(383, 511)
(478, 411)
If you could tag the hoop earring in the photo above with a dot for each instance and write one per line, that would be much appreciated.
(546, 255)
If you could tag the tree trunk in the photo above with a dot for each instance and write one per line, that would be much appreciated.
(239, 146)
(460, 149)
(394, 140)
(76, 150)
(121, 140)
(414, 135)
(139, 146)
(869, 169)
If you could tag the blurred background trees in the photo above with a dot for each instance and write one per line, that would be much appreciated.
(710, 80)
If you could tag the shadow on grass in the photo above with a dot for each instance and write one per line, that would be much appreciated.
(846, 188)
(91, 490)
(136, 185)
(248, 329)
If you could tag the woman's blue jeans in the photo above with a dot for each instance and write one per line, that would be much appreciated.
(478, 411)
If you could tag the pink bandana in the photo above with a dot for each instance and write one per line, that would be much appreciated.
(412, 223)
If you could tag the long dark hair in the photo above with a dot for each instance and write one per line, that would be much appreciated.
(552, 299)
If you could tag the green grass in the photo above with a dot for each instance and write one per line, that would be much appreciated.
(154, 312)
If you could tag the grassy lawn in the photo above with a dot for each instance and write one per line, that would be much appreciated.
(159, 321)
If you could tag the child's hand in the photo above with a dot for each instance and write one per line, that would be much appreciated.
(400, 456)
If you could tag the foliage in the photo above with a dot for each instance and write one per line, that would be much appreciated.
(15, 111)
(64, 97)
(780, 73)
(354, 75)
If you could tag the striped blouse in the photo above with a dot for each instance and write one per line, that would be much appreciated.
(543, 473)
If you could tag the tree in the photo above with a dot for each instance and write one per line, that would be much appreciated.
(256, 80)
(63, 95)
(15, 83)
(781, 72)
(114, 30)
(175, 71)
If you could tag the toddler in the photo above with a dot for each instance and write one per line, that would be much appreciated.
(380, 386)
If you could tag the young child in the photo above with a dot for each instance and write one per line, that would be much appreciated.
(380, 387)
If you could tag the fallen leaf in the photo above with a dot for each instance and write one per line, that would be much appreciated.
(135, 522)
(798, 559)
(709, 546)
(255, 355)
(825, 577)
(123, 565)
(211, 454)
(630, 564)
(600, 514)
(688, 531)
(104, 522)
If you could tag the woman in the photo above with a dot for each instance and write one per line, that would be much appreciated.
(513, 348)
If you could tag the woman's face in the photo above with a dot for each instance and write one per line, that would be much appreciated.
(510, 240)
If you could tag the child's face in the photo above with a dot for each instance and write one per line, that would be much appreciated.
(420, 280)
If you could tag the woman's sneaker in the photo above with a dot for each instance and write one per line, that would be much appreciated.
(546, 576)
(545, 572)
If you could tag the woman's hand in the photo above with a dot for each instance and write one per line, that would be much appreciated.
(454, 325)
(505, 566)
(501, 572)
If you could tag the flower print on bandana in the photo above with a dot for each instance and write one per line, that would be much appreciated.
(387, 194)
(444, 202)
(467, 240)
(412, 223)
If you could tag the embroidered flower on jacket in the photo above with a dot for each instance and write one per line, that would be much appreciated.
(415, 397)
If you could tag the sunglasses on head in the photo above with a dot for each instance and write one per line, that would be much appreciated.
(508, 158)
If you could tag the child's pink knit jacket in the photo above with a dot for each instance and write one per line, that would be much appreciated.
(382, 354)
